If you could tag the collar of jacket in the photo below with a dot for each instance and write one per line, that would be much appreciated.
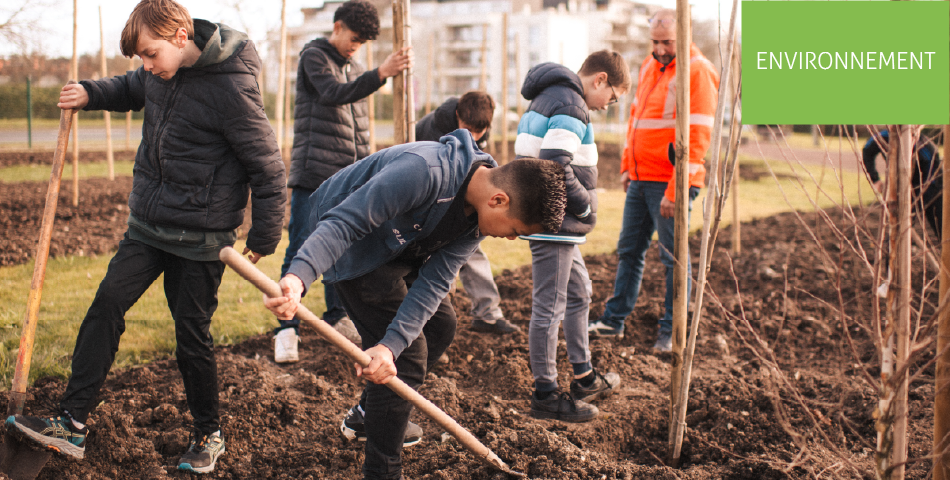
(325, 45)
(217, 42)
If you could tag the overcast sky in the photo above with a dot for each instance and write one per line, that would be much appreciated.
(257, 18)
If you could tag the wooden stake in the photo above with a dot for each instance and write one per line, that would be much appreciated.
(518, 105)
(285, 149)
(106, 115)
(22, 372)
(410, 89)
(892, 410)
(681, 212)
(128, 116)
(281, 80)
(371, 105)
(680, 396)
(483, 78)
(734, 179)
(399, 81)
(504, 88)
(75, 76)
(942, 388)
(429, 66)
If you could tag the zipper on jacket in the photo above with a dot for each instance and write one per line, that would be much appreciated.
(633, 141)
(356, 146)
(169, 103)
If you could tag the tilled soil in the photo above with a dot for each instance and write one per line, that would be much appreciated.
(777, 389)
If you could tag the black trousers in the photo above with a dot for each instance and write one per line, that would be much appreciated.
(372, 301)
(191, 288)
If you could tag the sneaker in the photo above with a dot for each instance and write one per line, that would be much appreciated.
(664, 341)
(882, 290)
(347, 329)
(602, 386)
(285, 346)
(601, 329)
(203, 452)
(353, 428)
(562, 406)
(55, 433)
(500, 326)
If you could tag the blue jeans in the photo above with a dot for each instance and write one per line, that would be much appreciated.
(298, 231)
(641, 217)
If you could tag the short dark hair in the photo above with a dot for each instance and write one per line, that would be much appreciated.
(611, 63)
(476, 109)
(536, 190)
(162, 18)
(359, 16)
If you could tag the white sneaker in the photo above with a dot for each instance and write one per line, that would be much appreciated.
(882, 290)
(347, 329)
(285, 346)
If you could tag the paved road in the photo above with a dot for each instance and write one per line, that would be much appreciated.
(845, 160)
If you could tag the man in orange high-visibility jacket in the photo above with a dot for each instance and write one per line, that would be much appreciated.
(648, 174)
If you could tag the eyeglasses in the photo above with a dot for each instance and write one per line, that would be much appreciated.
(614, 98)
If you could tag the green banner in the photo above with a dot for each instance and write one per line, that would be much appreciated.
(854, 62)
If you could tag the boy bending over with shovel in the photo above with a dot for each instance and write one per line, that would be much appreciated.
(205, 142)
(390, 232)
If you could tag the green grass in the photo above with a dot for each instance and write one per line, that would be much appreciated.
(71, 282)
(41, 173)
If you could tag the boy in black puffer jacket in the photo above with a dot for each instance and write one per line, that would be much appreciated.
(206, 143)
(331, 131)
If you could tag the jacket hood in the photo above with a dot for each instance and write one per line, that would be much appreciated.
(326, 46)
(544, 75)
(218, 42)
(444, 116)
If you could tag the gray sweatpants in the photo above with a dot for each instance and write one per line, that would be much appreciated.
(480, 287)
(562, 291)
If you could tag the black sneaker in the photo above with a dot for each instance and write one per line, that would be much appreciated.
(202, 453)
(500, 326)
(55, 433)
(562, 406)
(353, 429)
(602, 387)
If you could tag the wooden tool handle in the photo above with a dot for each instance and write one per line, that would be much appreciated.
(28, 335)
(246, 269)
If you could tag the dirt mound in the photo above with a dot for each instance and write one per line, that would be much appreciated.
(743, 419)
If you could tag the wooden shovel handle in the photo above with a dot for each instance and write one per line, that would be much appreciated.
(246, 269)
(22, 373)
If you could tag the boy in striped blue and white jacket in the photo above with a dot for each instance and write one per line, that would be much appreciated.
(557, 127)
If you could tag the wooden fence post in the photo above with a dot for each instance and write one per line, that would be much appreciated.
(106, 115)
(504, 88)
(681, 211)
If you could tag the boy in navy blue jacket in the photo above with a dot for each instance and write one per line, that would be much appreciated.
(206, 143)
(392, 252)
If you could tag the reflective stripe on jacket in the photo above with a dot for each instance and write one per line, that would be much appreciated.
(652, 124)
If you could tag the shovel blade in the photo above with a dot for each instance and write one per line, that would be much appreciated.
(19, 460)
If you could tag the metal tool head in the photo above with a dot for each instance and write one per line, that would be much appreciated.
(498, 463)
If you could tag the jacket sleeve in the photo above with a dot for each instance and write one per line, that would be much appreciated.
(316, 65)
(380, 199)
(703, 97)
(117, 94)
(253, 141)
(869, 154)
(560, 143)
(427, 291)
